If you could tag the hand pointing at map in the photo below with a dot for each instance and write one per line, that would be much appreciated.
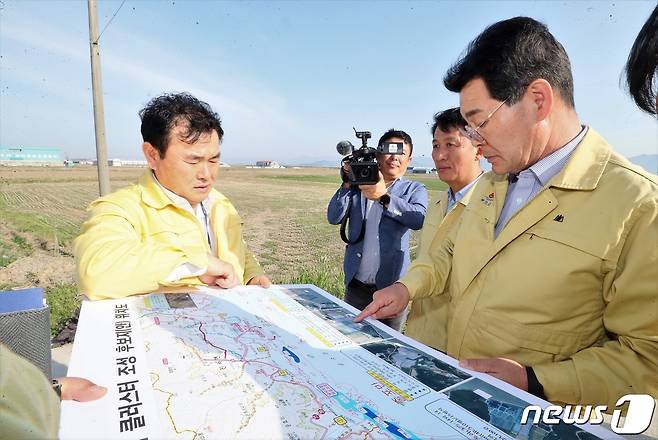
(219, 273)
(386, 303)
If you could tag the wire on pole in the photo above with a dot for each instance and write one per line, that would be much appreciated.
(108, 23)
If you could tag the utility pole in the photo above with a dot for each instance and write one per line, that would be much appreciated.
(99, 113)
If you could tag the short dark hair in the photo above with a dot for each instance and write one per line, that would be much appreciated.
(447, 120)
(511, 54)
(642, 65)
(165, 112)
(393, 133)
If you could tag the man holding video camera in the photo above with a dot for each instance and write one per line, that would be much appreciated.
(380, 218)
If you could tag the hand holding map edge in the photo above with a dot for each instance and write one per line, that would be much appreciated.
(506, 370)
(386, 303)
(80, 389)
(260, 280)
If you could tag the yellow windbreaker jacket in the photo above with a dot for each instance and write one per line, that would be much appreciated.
(569, 287)
(136, 237)
(428, 316)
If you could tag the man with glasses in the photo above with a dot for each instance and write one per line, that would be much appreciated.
(457, 161)
(552, 273)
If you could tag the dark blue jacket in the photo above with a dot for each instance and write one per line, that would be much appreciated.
(406, 211)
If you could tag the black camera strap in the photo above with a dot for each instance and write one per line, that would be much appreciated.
(343, 225)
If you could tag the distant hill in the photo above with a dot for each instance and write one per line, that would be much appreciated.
(647, 161)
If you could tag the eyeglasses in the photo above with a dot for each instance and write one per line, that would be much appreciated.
(473, 133)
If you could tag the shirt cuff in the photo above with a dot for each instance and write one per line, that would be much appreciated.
(185, 270)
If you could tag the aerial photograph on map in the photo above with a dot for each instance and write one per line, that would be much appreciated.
(504, 411)
(179, 300)
(310, 299)
(337, 316)
(359, 332)
(426, 369)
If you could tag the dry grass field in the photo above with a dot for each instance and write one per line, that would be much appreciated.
(41, 210)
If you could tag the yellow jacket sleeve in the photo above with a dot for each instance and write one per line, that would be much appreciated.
(251, 266)
(115, 258)
(231, 246)
(627, 364)
(428, 274)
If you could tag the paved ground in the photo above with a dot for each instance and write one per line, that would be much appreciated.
(60, 360)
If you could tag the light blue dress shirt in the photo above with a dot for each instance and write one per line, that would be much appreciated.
(371, 259)
(533, 179)
(454, 199)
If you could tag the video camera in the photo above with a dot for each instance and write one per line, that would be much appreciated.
(364, 169)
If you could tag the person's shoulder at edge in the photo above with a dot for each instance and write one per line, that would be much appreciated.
(632, 179)
(635, 171)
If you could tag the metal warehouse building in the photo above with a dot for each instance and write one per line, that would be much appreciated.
(18, 155)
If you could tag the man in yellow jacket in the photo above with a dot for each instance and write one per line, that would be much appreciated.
(553, 270)
(457, 161)
(172, 228)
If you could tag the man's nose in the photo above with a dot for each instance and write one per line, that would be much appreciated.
(203, 172)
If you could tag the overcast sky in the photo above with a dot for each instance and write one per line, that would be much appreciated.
(289, 79)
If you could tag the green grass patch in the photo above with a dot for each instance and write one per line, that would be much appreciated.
(38, 224)
(22, 243)
(324, 275)
(63, 301)
(14, 249)
(8, 254)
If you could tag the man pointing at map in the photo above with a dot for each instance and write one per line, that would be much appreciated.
(171, 228)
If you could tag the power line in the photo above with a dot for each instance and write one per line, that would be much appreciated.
(108, 23)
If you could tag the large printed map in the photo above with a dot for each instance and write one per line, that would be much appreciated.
(286, 362)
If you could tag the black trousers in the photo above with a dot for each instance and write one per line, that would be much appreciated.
(359, 295)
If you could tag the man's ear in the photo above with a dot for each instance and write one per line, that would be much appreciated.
(541, 94)
(151, 154)
(478, 153)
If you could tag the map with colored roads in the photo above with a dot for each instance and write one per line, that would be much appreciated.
(288, 362)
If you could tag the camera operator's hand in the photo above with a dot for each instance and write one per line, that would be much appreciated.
(374, 192)
(345, 172)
